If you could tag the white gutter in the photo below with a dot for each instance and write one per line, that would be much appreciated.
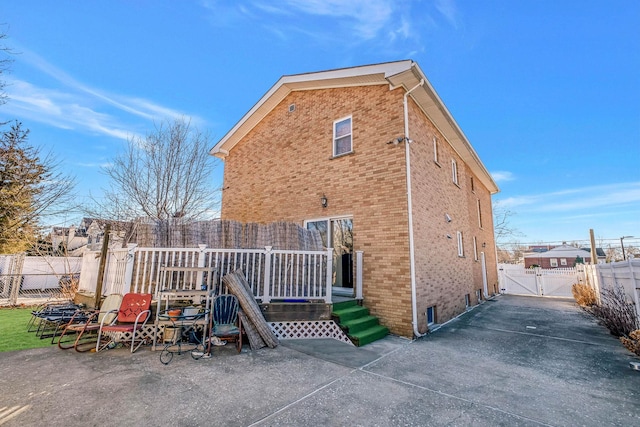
(412, 256)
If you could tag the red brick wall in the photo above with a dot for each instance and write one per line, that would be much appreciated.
(442, 277)
(282, 167)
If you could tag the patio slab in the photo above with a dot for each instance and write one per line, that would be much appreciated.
(512, 361)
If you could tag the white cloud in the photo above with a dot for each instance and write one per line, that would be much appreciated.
(95, 165)
(80, 107)
(60, 109)
(449, 10)
(501, 176)
(392, 26)
(601, 197)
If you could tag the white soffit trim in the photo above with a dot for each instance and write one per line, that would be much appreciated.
(356, 76)
(401, 73)
(430, 103)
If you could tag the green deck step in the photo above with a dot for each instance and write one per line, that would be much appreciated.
(369, 335)
(360, 324)
(344, 304)
(355, 320)
(350, 313)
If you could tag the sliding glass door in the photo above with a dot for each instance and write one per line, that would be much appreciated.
(337, 233)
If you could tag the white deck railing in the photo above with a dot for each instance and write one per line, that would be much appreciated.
(271, 274)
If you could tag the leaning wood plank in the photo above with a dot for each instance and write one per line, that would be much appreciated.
(255, 340)
(238, 286)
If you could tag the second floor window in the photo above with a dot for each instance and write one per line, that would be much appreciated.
(475, 248)
(342, 136)
(454, 171)
(460, 244)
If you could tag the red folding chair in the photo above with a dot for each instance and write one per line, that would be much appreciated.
(132, 317)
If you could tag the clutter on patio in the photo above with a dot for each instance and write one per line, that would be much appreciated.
(188, 315)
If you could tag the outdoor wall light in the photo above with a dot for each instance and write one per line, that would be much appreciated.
(447, 217)
(400, 139)
(324, 201)
(484, 245)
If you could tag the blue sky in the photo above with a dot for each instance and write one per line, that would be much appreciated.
(547, 91)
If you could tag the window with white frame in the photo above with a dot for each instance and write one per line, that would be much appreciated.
(479, 295)
(431, 315)
(342, 141)
(454, 171)
(467, 300)
(435, 150)
(479, 214)
(475, 248)
(460, 244)
(553, 262)
(563, 261)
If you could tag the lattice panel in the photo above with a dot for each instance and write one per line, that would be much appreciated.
(145, 334)
(309, 330)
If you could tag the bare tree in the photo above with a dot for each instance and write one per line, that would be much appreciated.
(5, 63)
(163, 176)
(502, 226)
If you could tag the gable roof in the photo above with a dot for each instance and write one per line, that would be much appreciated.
(563, 251)
(406, 74)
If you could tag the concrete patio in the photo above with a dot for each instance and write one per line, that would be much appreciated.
(510, 361)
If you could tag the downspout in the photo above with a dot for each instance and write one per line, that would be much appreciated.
(412, 257)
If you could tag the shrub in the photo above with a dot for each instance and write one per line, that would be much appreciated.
(632, 342)
(584, 295)
(616, 312)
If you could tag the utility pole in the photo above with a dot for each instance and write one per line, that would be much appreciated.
(594, 253)
(624, 256)
(101, 267)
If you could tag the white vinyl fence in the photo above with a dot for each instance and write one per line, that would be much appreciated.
(36, 277)
(624, 273)
(516, 280)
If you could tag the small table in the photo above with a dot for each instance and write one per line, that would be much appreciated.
(183, 325)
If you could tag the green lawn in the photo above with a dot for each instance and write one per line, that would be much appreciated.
(13, 331)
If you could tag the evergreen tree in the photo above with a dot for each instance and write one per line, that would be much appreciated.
(21, 176)
(29, 186)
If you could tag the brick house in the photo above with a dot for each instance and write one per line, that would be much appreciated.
(563, 256)
(371, 157)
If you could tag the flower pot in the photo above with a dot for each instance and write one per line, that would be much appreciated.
(173, 314)
(190, 311)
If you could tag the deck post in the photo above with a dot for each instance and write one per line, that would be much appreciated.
(266, 296)
(201, 259)
(329, 282)
(128, 269)
(359, 274)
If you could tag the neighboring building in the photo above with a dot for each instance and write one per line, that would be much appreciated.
(540, 248)
(563, 256)
(371, 158)
(68, 240)
(85, 237)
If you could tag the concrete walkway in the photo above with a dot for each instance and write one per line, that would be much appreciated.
(512, 361)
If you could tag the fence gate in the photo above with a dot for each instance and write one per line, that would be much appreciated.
(516, 280)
